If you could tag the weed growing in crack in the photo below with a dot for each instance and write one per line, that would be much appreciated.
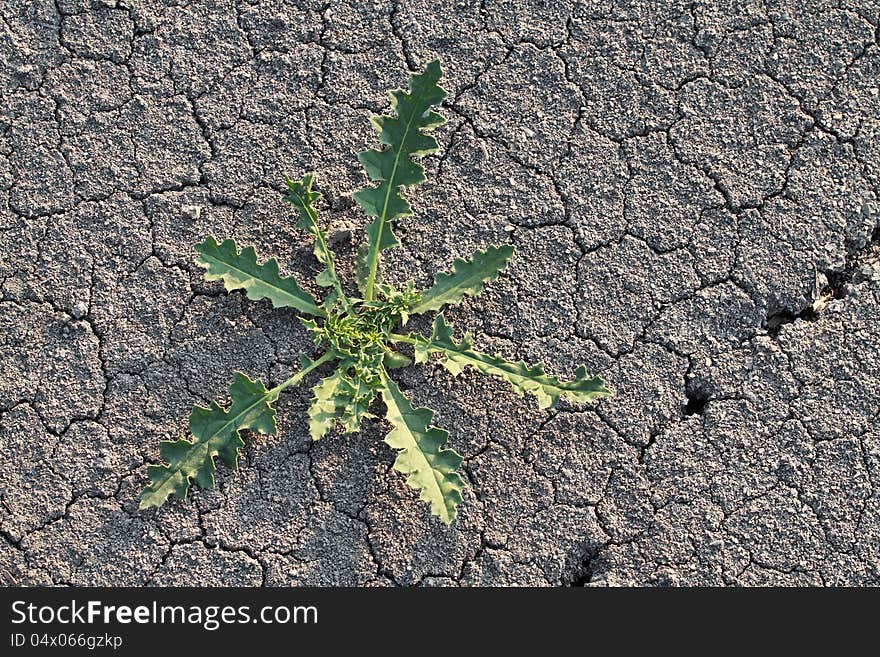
(359, 333)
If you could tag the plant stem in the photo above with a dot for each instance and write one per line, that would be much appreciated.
(299, 376)
(397, 337)
(328, 254)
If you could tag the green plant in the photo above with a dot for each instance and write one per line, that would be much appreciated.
(358, 332)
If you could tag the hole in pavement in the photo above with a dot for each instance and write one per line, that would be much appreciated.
(588, 569)
(696, 403)
(837, 280)
(776, 321)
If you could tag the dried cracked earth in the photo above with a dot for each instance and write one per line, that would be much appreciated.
(693, 194)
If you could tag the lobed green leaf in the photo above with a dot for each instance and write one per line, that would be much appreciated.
(339, 400)
(303, 198)
(431, 469)
(393, 167)
(361, 267)
(215, 432)
(523, 377)
(241, 271)
(468, 278)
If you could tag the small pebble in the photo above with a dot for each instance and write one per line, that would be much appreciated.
(79, 310)
(194, 212)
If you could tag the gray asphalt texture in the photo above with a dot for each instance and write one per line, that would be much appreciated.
(693, 195)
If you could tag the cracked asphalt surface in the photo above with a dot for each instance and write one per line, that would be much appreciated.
(692, 188)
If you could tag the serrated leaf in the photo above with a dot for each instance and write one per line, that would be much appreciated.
(339, 399)
(303, 198)
(361, 267)
(215, 432)
(523, 377)
(430, 468)
(393, 167)
(241, 271)
(326, 406)
(468, 277)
